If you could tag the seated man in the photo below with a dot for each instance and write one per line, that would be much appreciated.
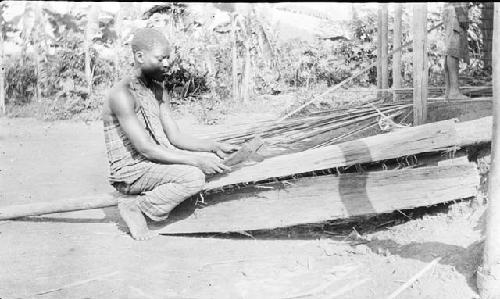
(148, 154)
(455, 18)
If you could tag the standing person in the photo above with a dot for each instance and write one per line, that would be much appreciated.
(148, 154)
(456, 22)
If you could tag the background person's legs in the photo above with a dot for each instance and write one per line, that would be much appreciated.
(451, 77)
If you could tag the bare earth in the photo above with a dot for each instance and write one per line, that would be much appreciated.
(88, 254)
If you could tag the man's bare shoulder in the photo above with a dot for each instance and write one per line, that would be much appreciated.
(119, 98)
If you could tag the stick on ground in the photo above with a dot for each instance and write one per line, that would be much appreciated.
(413, 279)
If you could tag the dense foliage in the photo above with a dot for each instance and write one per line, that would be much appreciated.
(202, 65)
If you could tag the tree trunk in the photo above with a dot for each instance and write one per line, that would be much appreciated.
(118, 42)
(420, 67)
(397, 43)
(384, 68)
(89, 31)
(488, 278)
(379, 50)
(2, 65)
(247, 73)
(37, 46)
(234, 52)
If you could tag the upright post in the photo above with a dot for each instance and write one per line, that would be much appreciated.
(397, 42)
(420, 67)
(488, 276)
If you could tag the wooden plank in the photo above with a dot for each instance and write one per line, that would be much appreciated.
(397, 43)
(420, 67)
(317, 199)
(475, 131)
(426, 138)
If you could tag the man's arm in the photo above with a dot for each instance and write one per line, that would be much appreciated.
(122, 106)
(186, 141)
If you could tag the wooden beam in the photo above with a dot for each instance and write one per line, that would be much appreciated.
(488, 276)
(397, 43)
(384, 68)
(420, 67)
(318, 199)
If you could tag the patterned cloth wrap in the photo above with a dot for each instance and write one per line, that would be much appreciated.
(455, 18)
(160, 187)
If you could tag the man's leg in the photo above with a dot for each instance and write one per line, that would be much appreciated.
(452, 64)
(446, 78)
(163, 187)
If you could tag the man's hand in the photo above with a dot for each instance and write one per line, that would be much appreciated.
(223, 149)
(211, 164)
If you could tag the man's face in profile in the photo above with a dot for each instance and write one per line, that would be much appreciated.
(156, 61)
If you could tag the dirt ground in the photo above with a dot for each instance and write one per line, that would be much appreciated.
(88, 254)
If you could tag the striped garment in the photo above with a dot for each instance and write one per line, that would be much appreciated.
(161, 186)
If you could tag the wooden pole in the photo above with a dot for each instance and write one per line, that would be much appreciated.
(420, 67)
(384, 68)
(397, 42)
(488, 276)
(379, 50)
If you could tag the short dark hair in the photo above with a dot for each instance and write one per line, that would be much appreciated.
(146, 39)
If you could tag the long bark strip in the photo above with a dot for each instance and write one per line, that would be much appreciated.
(317, 199)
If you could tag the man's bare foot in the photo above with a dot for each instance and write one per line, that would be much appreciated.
(135, 220)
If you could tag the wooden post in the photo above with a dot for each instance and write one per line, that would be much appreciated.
(420, 67)
(397, 43)
(37, 47)
(379, 50)
(487, 31)
(488, 276)
(384, 68)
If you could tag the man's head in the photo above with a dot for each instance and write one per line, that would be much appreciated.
(151, 52)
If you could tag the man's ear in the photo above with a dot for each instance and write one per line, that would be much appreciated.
(139, 56)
